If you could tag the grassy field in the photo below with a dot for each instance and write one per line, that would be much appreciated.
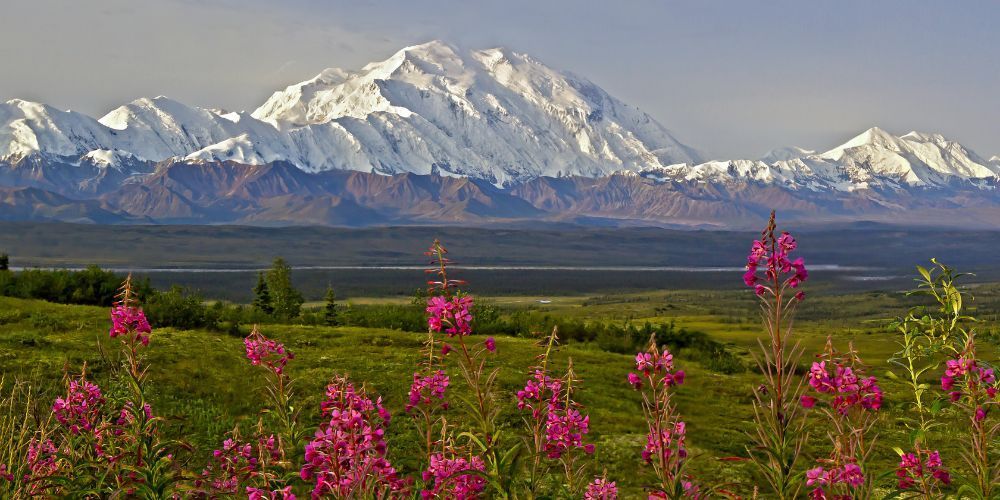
(203, 380)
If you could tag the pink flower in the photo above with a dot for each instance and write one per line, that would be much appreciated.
(539, 392)
(564, 430)
(777, 263)
(264, 351)
(130, 321)
(233, 465)
(980, 414)
(452, 316)
(601, 489)
(445, 349)
(491, 345)
(5, 474)
(912, 472)
(634, 380)
(42, 462)
(80, 409)
(807, 401)
(851, 474)
(947, 383)
(348, 452)
(259, 494)
(670, 443)
(445, 477)
(816, 476)
(425, 388)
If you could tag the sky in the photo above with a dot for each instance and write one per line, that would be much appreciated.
(731, 78)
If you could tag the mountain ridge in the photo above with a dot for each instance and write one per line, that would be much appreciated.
(433, 133)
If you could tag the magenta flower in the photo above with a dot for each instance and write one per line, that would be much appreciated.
(452, 316)
(847, 389)
(42, 462)
(445, 479)
(130, 321)
(601, 489)
(259, 494)
(5, 474)
(776, 263)
(912, 472)
(491, 345)
(233, 464)
(669, 444)
(80, 409)
(635, 380)
(264, 351)
(564, 430)
(425, 389)
(348, 452)
(539, 393)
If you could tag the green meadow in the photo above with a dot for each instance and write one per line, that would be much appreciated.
(203, 382)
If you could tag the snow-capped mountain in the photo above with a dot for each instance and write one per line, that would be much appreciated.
(491, 114)
(787, 153)
(488, 133)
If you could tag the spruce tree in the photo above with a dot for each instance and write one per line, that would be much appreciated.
(285, 299)
(4, 262)
(330, 312)
(262, 296)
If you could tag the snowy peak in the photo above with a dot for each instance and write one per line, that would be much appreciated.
(30, 127)
(785, 154)
(493, 114)
(915, 159)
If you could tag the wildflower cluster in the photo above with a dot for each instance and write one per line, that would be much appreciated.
(601, 489)
(266, 352)
(447, 477)
(539, 394)
(922, 471)
(453, 315)
(976, 380)
(80, 409)
(848, 390)
(818, 478)
(232, 465)
(775, 257)
(130, 322)
(665, 446)
(425, 389)
(347, 455)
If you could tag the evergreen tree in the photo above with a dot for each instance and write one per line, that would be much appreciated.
(4, 262)
(330, 312)
(262, 296)
(285, 299)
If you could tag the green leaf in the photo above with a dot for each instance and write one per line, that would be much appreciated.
(923, 272)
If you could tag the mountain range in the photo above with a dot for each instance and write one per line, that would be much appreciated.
(434, 134)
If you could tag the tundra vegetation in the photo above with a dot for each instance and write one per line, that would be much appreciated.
(454, 396)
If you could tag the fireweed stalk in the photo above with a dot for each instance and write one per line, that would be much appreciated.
(427, 399)
(450, 312)
(973, 388)
(849, 402)
(272, 356)
(539, 392)
(665, 449)
(926, 335)
(778, 434)
(347, 456)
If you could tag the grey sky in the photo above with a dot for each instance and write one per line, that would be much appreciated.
(733, 78)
